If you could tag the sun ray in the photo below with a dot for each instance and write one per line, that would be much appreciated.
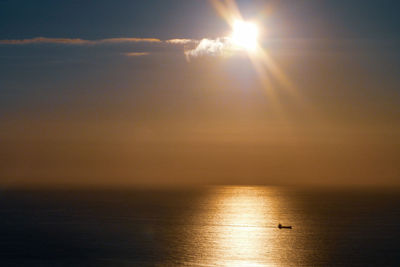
(245, 37)
(228, 10)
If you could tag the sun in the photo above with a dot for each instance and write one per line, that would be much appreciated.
(245, 35)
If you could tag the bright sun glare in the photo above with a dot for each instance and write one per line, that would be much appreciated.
(245, 35)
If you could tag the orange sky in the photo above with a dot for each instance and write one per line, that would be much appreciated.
(138, 112)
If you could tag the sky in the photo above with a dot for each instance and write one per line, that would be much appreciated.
(115, 93)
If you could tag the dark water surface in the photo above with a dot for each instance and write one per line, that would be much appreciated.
(213, 226)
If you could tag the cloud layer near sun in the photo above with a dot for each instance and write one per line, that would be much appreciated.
(191, 47)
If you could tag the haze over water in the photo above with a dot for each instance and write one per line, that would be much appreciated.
(212, 226)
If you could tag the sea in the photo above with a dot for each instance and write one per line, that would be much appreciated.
(203, 226)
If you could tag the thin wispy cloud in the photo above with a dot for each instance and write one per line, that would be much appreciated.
(181, 41)
(136, 54)
(129, 40)
(42, 40)
(77, 41)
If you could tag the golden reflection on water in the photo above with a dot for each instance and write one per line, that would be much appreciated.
(240, 216)
(242, 228)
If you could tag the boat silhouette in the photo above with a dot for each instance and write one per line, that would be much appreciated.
(280, 226)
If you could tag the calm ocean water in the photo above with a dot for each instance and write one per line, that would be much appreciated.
(213, 226)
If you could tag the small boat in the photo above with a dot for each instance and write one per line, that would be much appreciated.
(280, 226)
